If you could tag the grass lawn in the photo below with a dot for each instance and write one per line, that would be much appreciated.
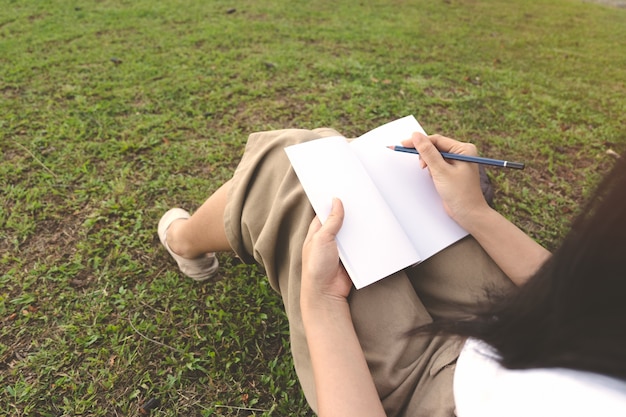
(112, 111)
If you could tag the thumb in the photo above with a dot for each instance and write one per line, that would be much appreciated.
(335, 218)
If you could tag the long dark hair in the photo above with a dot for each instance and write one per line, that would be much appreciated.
(572, 312)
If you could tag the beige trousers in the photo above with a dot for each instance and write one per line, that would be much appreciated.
(266, 220)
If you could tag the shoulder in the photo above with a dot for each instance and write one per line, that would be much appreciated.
(483, 388)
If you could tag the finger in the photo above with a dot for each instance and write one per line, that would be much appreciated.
(314, 227)
(429, 153)
(408, 143)
(445, 144)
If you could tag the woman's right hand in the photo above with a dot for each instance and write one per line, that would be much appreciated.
(457, 182)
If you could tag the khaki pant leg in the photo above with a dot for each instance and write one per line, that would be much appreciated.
(458, 279)
(403, 366)
(266, 219)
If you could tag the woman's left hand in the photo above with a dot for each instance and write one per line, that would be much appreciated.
(323, 275)
(343, 382)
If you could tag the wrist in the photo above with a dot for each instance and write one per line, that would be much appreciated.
(319, 307)
(472, 218)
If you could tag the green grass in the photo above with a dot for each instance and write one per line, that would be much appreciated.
(113, 111)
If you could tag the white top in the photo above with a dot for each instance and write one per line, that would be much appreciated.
(483, 388)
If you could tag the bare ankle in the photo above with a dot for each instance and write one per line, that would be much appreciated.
(177, 243)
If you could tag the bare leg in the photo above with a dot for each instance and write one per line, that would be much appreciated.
(204, 231)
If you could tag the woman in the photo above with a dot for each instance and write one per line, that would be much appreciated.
(567, 324)
(351, 349)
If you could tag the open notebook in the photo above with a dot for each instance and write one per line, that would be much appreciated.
(394, 217)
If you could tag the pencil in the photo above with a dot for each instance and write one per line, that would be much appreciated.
(466, 158)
